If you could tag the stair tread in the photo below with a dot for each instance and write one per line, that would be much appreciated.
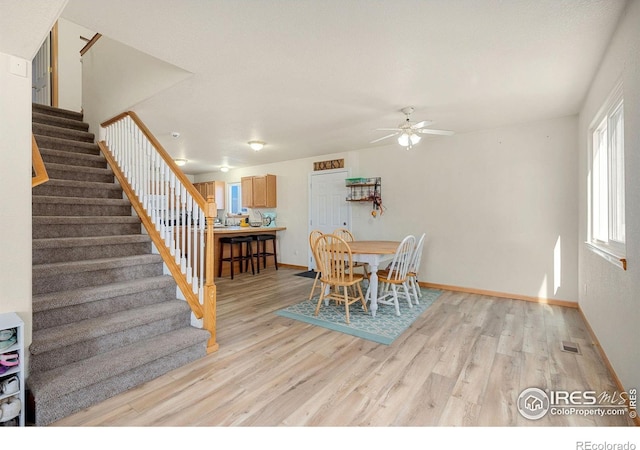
(45, 129)
(84, 169)
(49, 269)
(71, 297)
(75, 376)
(80, 183)
(71, 143)
(86, 241)
(79, 200)
(71, 155)
(65, 335)
(65, 122)
(72, 220)
(55, 111)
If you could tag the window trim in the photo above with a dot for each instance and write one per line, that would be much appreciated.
(606, 253)
(611, 250)
(230, 186)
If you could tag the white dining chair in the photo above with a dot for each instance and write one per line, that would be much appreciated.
(394, 279)
(414, 269)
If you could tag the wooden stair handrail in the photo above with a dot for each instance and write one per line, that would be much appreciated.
(89, 44)
(40, 171)
(208, 310)
(163, 153)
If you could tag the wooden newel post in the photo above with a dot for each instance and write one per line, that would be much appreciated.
(210, 287)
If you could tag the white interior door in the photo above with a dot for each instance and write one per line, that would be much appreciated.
(41, 74)
(328, 208)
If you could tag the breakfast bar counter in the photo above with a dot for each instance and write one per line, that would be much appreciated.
(237, 231)
(227, 232)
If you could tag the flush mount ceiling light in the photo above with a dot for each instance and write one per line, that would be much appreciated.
(180, 162)
(256, 145)
(224, 169)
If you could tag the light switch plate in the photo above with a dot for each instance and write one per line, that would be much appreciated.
(18, 66)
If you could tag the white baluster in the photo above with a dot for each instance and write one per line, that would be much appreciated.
(190, 230)
(172, 209)
(184, 228)
(167, 210)
(153, 192)
(201, 278)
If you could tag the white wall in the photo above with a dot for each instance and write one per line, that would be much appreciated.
(115, 77)
(70, 64)
(494, 205)
(610, 297)
(15, 202)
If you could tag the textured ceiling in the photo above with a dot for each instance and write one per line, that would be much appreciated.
(24, 24)
(318, 77)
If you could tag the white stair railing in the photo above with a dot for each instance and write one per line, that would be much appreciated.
(177, 218)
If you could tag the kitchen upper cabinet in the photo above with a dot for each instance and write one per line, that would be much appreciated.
(259, 191)
(246, 186)
(215, 188)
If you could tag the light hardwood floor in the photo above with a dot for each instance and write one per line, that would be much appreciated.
(462, 363)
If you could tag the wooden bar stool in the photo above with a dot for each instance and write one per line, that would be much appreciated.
(261, 249)
(244, 255)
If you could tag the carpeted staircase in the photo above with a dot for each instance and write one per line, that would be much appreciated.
(105, 318)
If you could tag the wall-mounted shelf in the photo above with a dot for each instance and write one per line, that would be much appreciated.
(363, 189)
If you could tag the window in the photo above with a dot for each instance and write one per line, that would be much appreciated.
(607, 217)
(235, 198)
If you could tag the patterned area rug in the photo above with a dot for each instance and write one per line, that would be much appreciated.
(384, 328)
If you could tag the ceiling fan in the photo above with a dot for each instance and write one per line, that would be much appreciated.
(409, 132)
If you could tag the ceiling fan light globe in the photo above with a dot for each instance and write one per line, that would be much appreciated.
(403, 140)
(256, 145)
(414, 139)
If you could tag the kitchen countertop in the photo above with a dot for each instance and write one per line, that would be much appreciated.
(239, 229)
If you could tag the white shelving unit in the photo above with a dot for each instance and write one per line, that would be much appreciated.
(11, 321)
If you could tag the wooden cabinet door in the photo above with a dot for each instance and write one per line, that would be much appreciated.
(260, 192)
(214, 188)
(201, 188)
(271, 197)
(246, 185)
(210, 189)
(220, 194)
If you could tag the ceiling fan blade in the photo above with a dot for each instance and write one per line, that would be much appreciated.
(384, 137)
(422, 124)
(389, 129)
(439, 132)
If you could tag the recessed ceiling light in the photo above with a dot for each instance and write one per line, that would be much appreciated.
(256, 145)
(224, 169)
(180, 162)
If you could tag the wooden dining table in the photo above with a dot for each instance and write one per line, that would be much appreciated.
(373, 253)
